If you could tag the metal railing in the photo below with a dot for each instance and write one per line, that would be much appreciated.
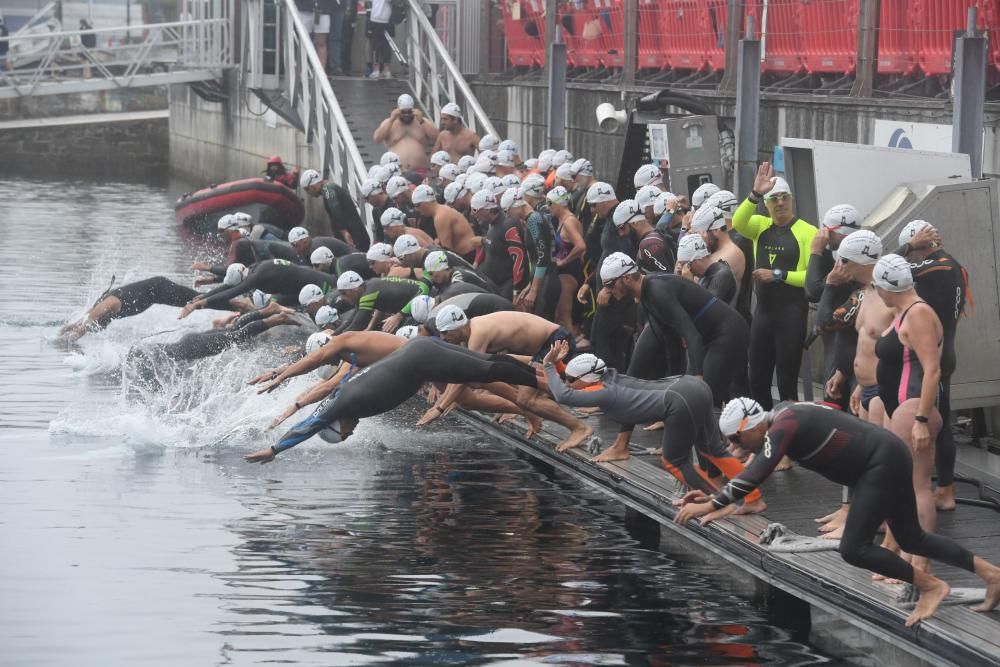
(434, 77)
(279, 55)
(46, 60)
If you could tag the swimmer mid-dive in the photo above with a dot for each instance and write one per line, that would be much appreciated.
(128, 300)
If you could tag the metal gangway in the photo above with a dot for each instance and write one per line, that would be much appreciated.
(44, 59)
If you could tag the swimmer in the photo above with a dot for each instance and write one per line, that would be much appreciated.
(128, 300)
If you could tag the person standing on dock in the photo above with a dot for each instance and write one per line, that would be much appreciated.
(407, 133)
(848, 451)
(455, 137)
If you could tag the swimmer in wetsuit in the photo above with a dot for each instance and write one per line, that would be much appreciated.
(502, 257)
(278, 277)
(391, 381)
(128, 300)
(847, 451)
(695, 263)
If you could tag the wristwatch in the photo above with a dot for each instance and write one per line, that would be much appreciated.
(778, 274)
(920, 418)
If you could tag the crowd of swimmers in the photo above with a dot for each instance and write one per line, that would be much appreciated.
(526, 287)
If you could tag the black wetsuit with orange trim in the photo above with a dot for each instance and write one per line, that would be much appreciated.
(900, 373)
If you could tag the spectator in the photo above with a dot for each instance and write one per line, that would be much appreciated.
(335, 9)
(407, 134)
(379, 26)
(316, 20)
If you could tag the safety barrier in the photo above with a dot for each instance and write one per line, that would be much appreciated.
(524, 27)
(830, 36)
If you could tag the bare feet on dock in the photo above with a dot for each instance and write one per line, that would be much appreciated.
(655, 426)
(534, 426)
(833, 524)
(784, 464)
(575, 438)
(944, 498)
(616, 452)
(840, 513)
(932, 592)
(756, 507)
(991, 575)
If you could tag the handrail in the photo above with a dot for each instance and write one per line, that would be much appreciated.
(429, 60)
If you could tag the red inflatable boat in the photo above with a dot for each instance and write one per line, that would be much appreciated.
(267, 201)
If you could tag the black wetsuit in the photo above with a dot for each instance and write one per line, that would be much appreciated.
(836, 342)
(720, 281)
(389, 382)
(610, 331)
(137, 297)
(337, 247)
(871, 460)
(715, 334)
(539, 240)
(386, 295)
(504, 260)
(250, 253)
(344, 215)
(657, 253)
(745, 295)
(274, 276)
(473, 304)
(467, 276)
(941, 281)
(355, 261)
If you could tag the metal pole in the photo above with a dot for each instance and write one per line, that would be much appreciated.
(970, 94)
(747, 111)
(631, 41)
(868, 28)
(551, 26)
(556, 128)
(734, 26)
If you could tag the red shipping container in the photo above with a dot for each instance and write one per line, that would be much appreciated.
(652, 45)
(524, 26)
(783, 36)
(830, 36)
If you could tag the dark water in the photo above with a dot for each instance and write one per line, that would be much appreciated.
(133, 533)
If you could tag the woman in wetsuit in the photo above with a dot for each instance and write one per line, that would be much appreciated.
(570, 248)
(909, 372)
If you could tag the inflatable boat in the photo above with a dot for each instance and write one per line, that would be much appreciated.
(268, 202)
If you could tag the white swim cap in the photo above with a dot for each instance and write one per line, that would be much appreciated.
(379, 252)
(892, 273)
(600, 192)
(296, 234)
(533, 186)
(475, 181)
(489, 142)
(260, 298)
(586, 367)
(508, 145)
(423, 194)
(483, 199)
(435, 261)
(495, 185)
(647, 174)
(558, 195)
(451, 109)
(409, 332)
(371, 187)
(861, 247)
(317, 340)
(382, 175)
(441, 158)
(545, 159)
(723, 199)
(511, 181)
(396, 186)
(242, 219)
(405, 101)
(309, 177)
(911, 229)
(326, 315)
(454, 191)
(661, 201)
(512, 199)
(562, 157)
(616, 265)
(235, 274)
(843, 219)
(565, 172)
(449, 318)
(349, 280)
(740, 414)
(626, 212)
(388, 158)
(780, 187)
(646, 196)
(420, 307)
(405, 245)
(465, 162)
(227, 222)
(310, 294)
(582, 167)
(325, 373)
(691, 248)
(321, 255)
(484, 167)
(505, 158)
(703, 192)
(707, 219)
(448, 172)
(531, 163)
(392, 216)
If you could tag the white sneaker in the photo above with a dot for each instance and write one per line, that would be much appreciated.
(374, 75)
(386, 74)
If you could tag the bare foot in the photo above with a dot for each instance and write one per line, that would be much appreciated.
(575, 438)
(991, 575)
(655, 426)
(834, 534)
(784, 464)
(534, 426)
(840, 512)
(944, 498)
(615, 452)
(932, 592)
(504, 418)
(756, 507)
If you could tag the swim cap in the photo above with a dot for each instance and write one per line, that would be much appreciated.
(296, 234)
(911, 229)
(616, 265)
(454, 191)
(489, 142)
(511, 181)
(512, 199)
(448, 172)
(892, 273)
(310, 294)
(723, 199)
(646, 196)
(474, 181)
(505, 158)
(441, 158)
(707, 219)
(862, 247)
(558, 195)
(740, 414)
(780, 186)
(372, 170)
(692, 247)
(227, 222)
(586, 367)
(449, 318)
(349, 280)
(388, 157)
(661, 201)
(545, 159)
(392, 216)
(235, 274)
(451, 109)
(647, 174)
(321, 255)
(531, 163)
(843, 219)
(562, 157)
(260, 298)
(565, 172)
(404, 102)
(242, 219)
(409, 332)
(465, 162)
(600, 192)
(533, 186)
(326, 315)
(396, 186)
(317, 340)
(626, 212)
(309, 177)
(582, 167)
(508, 145)
(405, 245)
(420, 307)
(495, 185)
(379, 252)
(393, 169)
(423, 194)
(382, 175)
(488, 156)
(436, 261)
(703, 192)
(484, 167)
(483, 199)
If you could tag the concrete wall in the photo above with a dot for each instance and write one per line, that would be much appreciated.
(104, 101)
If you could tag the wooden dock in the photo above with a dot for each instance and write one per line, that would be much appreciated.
(956, 635)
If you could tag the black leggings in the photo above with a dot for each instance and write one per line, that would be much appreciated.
(726, 359)
(607, 331)
(210, 343)
(548, 295)
(658, 353)
(777, 334)
(884, 492)
(137, 297)
(944, 452)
